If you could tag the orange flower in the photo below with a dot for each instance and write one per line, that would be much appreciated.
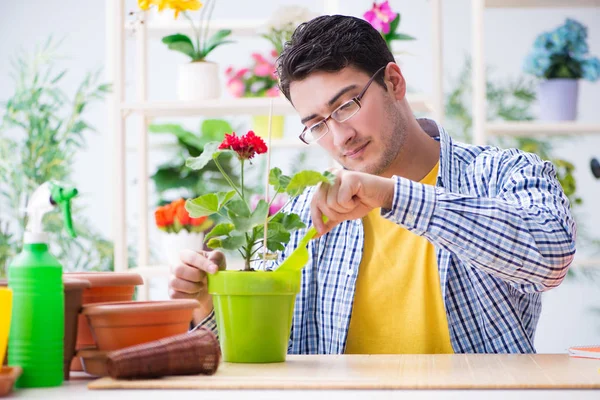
(197, 221)
(182, 214)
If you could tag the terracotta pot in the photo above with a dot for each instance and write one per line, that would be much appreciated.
(93, 361)
(124, 324)
(104, 287)
(73, 300)
(4, 283)
(8, 376)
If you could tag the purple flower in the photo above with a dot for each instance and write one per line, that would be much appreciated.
(380, 16)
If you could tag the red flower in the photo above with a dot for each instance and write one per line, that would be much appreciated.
(246, 146)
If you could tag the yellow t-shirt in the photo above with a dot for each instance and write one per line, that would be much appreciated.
(398, 306)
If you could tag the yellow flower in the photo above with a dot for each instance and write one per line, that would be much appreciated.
(145, 4)
(161, 4)
(183, 5)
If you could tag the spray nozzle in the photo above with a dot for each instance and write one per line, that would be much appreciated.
(62, 195)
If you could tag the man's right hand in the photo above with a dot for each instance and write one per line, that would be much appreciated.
(188, 280)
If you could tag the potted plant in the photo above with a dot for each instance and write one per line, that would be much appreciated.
(559, 58)
(258, 80)
(173, 179)
(253, 307)
(198, 79)
(386, 21)
(180, 230)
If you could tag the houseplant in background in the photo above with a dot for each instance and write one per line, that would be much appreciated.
(253, 307)
(180, 231)
(386, 21)
(198, 79)
(282, 24)
(258, 80)
(43, 130)
(560, 58)
(173, 179)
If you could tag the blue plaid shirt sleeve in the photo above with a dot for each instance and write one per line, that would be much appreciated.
(210, 323)
(513, 220)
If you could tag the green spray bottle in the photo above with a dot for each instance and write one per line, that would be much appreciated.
(36, 339)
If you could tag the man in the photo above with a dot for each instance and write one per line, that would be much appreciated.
(432, 246)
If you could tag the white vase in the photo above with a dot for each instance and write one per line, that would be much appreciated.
(173, 243)
(198, 81)
(558, 99)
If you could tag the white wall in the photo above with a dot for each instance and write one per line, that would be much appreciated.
(566, 316)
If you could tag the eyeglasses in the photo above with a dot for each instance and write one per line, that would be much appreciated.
(343, 113)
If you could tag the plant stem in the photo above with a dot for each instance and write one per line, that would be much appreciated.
(196, 32)
(228, 178)
(211, 7)
(242, 180)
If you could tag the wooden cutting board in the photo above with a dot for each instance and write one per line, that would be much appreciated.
(456, 371)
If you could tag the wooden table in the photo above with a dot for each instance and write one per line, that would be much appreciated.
(436, 376)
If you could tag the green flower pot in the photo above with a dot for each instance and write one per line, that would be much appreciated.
(254, 312)
(260, 126)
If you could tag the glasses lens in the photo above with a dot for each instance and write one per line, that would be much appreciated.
(345, 111)
(316, 132)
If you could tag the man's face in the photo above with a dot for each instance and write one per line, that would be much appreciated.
(371, 140)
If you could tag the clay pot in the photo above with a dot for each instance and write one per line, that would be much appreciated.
(4, 283)
(104, 287)
(73, 299)
(8, 376)
(93, 361)
(124, 324)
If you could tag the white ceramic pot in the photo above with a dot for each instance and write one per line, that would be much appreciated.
(558, 99)
(198, 81)
(173, 243)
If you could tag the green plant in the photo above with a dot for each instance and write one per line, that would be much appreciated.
(507, 101)
(41, 132)
(202, 45)
(174, 180)
(282, 24)
(243, 230)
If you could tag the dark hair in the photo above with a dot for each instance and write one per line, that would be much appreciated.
(330, 43)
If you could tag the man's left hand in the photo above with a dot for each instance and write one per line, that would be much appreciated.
(352, 196)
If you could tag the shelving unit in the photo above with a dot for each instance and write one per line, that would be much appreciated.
(118, 31)
(482, 128)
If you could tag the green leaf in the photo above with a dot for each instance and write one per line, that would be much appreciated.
(184, 136)
(304, 179)
(399, 36)
(278, 180)
(214, 41)
(222, 229)
(229, 243)
(277, 236)
(291, 222)
(239, 208)
(181, 43)
(209, 153)
(214, 129)
(394, 24)
(204, 205)
(224, 197)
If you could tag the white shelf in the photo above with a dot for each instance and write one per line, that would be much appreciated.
(285, 143)
(245, 106)
(535, 128)
(541, 3)
(238, 27)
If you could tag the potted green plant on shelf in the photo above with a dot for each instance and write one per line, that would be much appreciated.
(386, 21)
(198, 79)
(253, 307)
(258, 80)
(560, 59)
(173, 179)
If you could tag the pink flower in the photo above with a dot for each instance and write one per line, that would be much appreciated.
(229, 71)
(274, 53)
(380, 16)
(235, 87)
(263, 70)
(273, 92)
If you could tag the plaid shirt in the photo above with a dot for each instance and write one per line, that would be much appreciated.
(503, 233)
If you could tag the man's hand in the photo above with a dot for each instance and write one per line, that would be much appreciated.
(189, 279)
(352, 196)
